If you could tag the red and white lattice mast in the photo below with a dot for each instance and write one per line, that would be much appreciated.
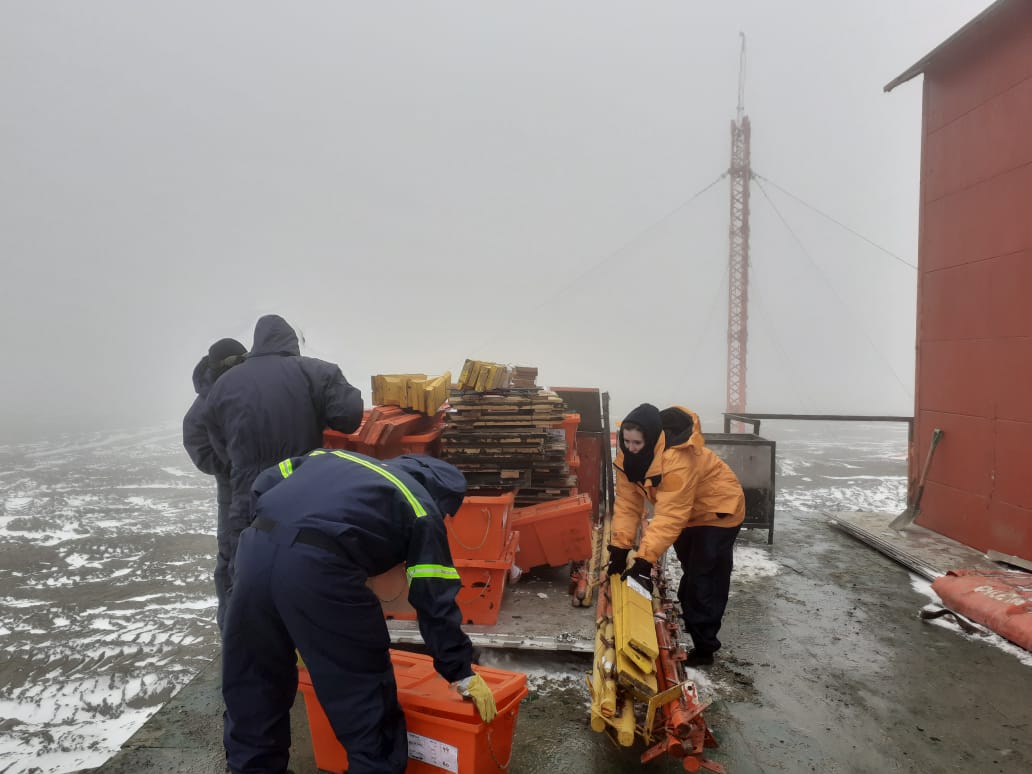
(738, 258)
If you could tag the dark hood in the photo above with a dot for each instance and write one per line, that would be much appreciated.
(635, 466)
(203, 378)
(678, 425)
(442, 480)
(274, 336)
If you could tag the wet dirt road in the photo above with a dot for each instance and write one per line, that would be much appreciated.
(826, 668)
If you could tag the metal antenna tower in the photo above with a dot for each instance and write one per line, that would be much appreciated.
(738, 257)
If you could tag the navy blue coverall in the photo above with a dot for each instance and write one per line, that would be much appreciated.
(324, 523)
(198, 445)
(273, 406)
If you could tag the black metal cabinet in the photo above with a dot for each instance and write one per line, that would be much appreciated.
(752, 459)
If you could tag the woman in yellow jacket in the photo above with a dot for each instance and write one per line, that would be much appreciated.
(699, 507)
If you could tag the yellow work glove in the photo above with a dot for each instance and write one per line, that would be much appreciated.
(474, 687)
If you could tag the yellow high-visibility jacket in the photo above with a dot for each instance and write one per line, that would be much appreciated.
(687, 484)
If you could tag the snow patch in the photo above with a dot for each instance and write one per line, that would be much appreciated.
(753, 563)
(178, 472)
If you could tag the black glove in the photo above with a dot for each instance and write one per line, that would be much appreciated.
(641, 571)
(617, 560)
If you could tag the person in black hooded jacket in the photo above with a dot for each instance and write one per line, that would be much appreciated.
(222, 355)
(273, 406)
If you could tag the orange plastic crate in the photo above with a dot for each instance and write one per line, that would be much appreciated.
(481, 528)
(423, 443)
(479, 599)
(569, 425)
(445, 732)
(333, 439)
(423, 438)
(555, 532)
(483, 584)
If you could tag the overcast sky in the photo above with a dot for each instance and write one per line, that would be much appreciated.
(411, 184)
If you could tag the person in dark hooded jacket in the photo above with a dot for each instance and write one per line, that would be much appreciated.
(222, 355)
(324, 524)
(273, 406)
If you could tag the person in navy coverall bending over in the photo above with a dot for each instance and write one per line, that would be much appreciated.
(323, 524)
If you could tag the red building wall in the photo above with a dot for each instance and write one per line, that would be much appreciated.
(974, 337)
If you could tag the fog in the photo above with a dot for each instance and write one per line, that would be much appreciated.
(414, 184)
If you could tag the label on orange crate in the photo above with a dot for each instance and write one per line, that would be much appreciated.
(433, 751)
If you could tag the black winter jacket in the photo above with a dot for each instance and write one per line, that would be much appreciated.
(273, 406)
(196, 440)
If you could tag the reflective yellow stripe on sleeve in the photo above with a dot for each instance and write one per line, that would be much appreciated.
(431, 571)
(413, 501)
(286, 468)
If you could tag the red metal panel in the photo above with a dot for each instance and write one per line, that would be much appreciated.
(955, 377)
(984, 221)
(1012, 383)
(955, 514)
(991, 139)
(1009, 530)
(954, 302)
(1010, 304)
(1013, 473)
(590, 447)
(982, 66)
(974, 366)
(964, 457)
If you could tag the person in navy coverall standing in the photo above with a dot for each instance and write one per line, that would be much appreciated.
(274, 405)
(324, 523)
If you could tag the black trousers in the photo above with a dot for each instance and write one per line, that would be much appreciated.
(707, 557)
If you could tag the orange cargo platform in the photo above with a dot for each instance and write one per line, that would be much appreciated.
(555, 532)
(445, 733)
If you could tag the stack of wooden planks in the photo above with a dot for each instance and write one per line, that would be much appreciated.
(508, 439)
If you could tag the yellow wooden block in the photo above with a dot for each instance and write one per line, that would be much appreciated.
(436, 392)
(391, 389)
(628, 673)
(466, 374)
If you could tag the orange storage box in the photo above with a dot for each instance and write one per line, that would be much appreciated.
(423, 443)
(423, 438)
(483, 584)
(481, 528)
(479, 599)
(445, 733)
(334, 439)
(569, 425)
(555, 532)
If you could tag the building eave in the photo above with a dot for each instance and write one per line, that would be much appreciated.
(922, 64)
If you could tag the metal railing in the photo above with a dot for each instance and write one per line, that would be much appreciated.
(753, 419)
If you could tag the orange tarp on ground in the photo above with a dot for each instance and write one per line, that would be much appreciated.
(1000, 599)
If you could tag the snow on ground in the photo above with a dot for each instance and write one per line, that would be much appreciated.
(753, 563)
(924, 587)
(106, 603)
